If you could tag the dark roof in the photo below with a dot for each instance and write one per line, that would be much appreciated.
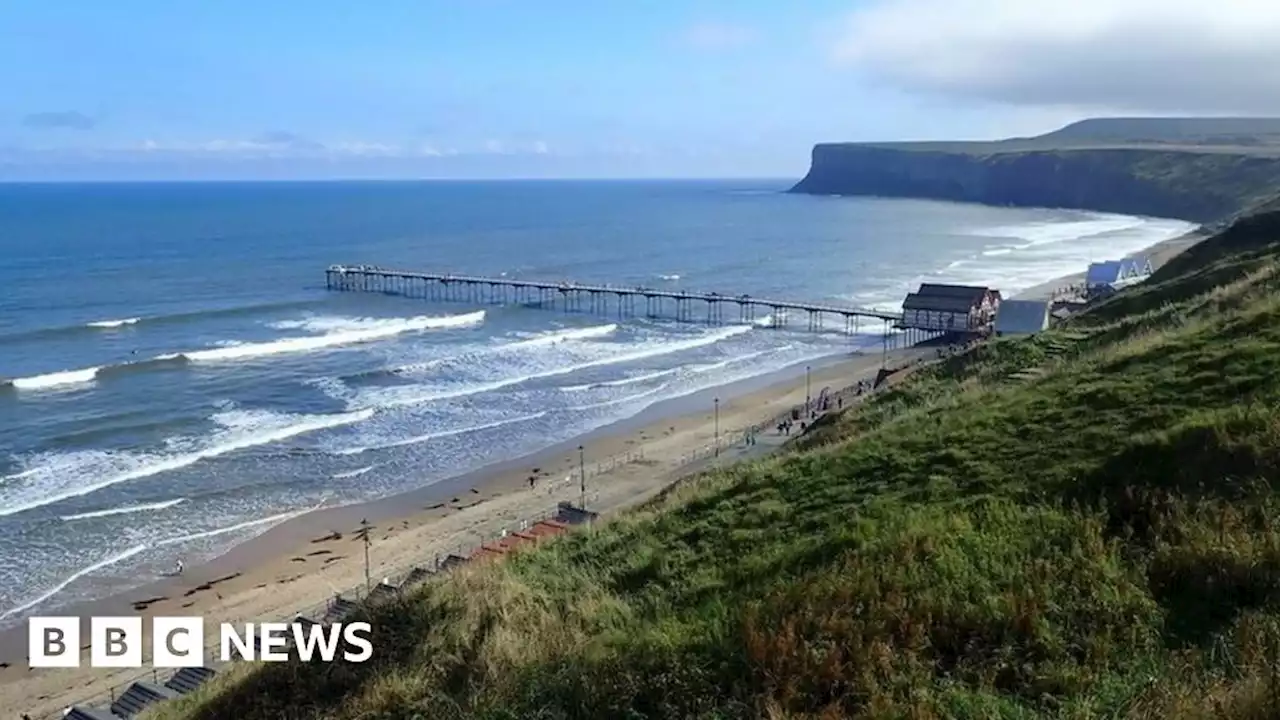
(970, 292)
(90, 713)
(939, 303)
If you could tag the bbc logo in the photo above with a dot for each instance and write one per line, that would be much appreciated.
(54, 642)
(177, 642)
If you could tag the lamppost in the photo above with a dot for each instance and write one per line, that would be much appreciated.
(363, 534)
(582, 475)
(716, 402)
(806, 390)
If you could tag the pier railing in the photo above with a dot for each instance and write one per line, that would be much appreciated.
(682, 305)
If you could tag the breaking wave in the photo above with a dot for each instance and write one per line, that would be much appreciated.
(343, 332)
(128, 509)
(437, 435)
(345, 335)
(71, 475)
(623, 381)
(555, 337)
(110, 324)
(657, 349)
(139, 549)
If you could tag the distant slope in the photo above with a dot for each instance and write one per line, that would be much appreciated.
(1241, 132)
(1202, 170)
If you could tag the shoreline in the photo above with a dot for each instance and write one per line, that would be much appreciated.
(1159, 253)
(245, 552)
(302, 562)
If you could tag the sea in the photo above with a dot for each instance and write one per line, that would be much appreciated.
(175, 378)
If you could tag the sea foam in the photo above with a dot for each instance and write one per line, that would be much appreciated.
(63, 476)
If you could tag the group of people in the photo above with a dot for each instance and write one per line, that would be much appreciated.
(784, 427)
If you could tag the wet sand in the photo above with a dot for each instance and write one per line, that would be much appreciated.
(297, 566)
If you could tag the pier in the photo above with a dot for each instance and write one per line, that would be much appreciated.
(682, 305)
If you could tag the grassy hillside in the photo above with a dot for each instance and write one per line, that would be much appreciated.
(1240, 136)
(1098, 541)
(1228, 131)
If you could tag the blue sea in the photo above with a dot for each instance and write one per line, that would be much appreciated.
(176, 378)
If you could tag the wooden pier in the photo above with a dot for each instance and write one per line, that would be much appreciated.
(682, 305)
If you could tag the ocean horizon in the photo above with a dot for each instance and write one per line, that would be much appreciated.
(175, 378)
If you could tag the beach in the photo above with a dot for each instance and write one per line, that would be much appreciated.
(300, 564)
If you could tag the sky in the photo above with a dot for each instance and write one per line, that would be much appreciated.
(283, 89)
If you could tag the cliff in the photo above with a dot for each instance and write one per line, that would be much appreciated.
(1199, 170)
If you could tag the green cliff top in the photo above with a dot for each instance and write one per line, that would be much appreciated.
(1248, 136)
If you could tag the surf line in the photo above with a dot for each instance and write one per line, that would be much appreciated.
(67, 378)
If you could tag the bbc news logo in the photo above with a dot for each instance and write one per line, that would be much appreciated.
(176, 642)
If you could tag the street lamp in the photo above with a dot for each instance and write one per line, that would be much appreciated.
(716, 402)
(363, 534)
(582, 474)
(806, 390)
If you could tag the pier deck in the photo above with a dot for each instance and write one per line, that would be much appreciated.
(683, 305)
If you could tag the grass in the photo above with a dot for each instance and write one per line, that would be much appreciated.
(1102, 541)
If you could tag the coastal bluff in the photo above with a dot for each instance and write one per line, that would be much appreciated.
(1204, 170)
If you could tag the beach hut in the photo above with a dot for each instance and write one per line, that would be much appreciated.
(950, 308)
(139, 697)
(188, 679)
(1103, 274)
(1022, 317)
(1135, 269)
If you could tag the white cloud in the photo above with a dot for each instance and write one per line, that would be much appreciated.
(360, 148)
(718, 36)
(1162, 56)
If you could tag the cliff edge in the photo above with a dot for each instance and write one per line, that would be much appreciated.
(1197, 169)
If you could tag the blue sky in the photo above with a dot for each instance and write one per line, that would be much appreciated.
(514, 88)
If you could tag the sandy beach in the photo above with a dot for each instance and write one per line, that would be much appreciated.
(297, 566)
